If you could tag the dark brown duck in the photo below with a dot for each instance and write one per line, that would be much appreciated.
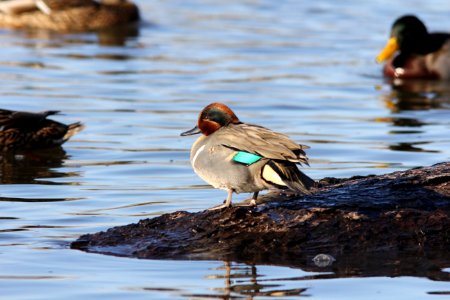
(27, 131)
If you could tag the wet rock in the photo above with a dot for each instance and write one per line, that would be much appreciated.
(396, 217)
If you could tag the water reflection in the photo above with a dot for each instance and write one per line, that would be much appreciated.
(413, 95)
(417, 95)
(116, 36)
(245, 280)
(33, 167)
(411, 147)
(402, 122)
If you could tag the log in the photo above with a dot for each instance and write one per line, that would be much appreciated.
(399, 222)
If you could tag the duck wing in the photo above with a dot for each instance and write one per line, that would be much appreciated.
(261, 141)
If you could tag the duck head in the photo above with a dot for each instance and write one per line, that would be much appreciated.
(409, 35)
(213, 117)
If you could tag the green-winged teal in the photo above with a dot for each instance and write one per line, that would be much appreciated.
(240, 157)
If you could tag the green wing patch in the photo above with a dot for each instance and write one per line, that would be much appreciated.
(246, 158)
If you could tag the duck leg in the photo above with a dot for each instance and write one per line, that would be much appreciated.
(253, 201)
(227, 202)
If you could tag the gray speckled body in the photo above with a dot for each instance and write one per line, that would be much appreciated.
(213, 163)
(212, 159)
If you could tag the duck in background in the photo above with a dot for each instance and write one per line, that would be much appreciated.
(245, 158)
(30, 131)
(420, 54)
(67, 15)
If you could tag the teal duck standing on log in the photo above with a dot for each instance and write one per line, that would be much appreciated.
(420, 54)
(67, 15)
(21, 131)
(245, 158)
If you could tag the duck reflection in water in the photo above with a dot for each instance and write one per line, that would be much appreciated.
(413, 95)
(417, 94)
(243, 280)
(32, 167)
(116, 36)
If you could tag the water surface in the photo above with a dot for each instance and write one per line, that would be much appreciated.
(305, 69)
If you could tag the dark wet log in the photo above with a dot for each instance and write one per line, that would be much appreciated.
(396, 217)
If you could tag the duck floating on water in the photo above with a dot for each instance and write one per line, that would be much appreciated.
(419, 54)
(67, 15)
(245, 158)
(30, 131)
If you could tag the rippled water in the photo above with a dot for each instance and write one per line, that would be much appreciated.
(303, 68)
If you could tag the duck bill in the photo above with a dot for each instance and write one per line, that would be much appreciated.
(194, 130)
(389, 50)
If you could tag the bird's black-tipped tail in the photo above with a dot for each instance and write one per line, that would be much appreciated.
(72, 130)
(292, 177)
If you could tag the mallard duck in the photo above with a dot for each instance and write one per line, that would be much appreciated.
(67, 15)
(420, 54)
(245, 158)
(28, 131)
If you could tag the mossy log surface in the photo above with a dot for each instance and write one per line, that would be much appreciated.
(399, 222)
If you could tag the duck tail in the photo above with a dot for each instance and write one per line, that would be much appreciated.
(47, 113)
(72, 130)
(292, 177)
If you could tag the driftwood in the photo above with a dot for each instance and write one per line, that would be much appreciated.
(394, 224)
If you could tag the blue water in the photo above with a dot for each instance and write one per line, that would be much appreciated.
(303, 68)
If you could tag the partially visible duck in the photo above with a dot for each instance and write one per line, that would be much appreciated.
(420, 54)
(29, 131)
(245, 158)
(67, 15)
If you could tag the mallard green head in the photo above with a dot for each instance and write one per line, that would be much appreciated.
(408, 34)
